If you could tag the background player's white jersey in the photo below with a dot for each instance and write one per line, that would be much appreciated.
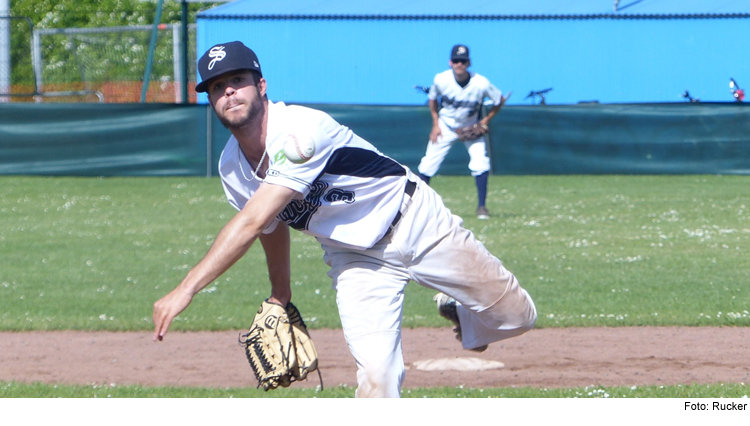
(461, 105)
(349, 191)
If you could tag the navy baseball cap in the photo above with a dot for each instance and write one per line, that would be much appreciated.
(459, 51)
(223, 58)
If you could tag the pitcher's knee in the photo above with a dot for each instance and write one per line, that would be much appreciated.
(526, 319)
(510, 319)
(528, 324)
(519, 309)
(531, 318)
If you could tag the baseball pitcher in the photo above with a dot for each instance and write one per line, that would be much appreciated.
(379, 225)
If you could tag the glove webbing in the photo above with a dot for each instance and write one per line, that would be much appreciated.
(295, 315)
(265, 366)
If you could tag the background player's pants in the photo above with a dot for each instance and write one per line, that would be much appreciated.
(431, 247)
(479, 162)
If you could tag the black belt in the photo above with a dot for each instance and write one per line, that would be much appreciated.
(408, 191)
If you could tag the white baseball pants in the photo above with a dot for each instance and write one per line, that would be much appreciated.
(479, 162)
(430, 246)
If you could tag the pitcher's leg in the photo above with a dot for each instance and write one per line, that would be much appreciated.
(494, 306)
(513, 315)
(380, 364)
(370, 301)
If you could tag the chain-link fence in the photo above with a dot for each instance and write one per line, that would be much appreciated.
(113, 60)
(96, 64)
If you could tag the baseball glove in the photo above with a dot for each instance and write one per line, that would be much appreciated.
(278, 346)
(472, 132)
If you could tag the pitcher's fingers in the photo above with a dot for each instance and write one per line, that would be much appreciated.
(161, 325)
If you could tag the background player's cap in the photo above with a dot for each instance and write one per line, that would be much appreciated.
(223, 58)
(459, 51)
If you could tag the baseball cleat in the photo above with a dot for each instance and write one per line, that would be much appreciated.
(447, 309)
(482, 213)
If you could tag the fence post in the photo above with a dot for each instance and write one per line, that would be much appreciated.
(209, 140)
(36, 52)
(151, 49)
(5, 49)
(176, 62)
(184, 55)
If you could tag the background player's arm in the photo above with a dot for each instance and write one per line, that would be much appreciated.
(277, 245)
(486, 119)
(435, 118)
(235, 238)
(493, 112)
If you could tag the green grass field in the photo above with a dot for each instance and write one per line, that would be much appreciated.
(94, 254)
(20, 390)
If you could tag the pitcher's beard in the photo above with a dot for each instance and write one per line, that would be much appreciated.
(238, 122)
(235, 123)
(251, 114)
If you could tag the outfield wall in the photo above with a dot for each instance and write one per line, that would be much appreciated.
(373, 52)
(186, 140)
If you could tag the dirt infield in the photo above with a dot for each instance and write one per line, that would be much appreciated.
(633, 356)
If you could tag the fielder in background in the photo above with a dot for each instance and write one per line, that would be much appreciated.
(462, 94)
(379, 225)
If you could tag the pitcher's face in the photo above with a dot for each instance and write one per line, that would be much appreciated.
(237, 98)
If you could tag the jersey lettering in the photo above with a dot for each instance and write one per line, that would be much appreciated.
(473, 106)
(459, 104)
(297, 213)
(337, 194)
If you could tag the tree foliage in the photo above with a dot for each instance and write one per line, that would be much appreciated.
(48, 14)
(100, 13)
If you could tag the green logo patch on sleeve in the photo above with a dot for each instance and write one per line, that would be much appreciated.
(279, 158)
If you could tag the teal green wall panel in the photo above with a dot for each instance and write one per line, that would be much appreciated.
(177, 140)
(102, 140)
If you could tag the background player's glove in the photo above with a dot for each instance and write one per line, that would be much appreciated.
(271, 346)
(472, 132)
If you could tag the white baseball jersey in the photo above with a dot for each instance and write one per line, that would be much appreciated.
(461, 105)
(349, 192)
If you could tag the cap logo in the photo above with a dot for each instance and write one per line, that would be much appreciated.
(217, 53)
(461, 50)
